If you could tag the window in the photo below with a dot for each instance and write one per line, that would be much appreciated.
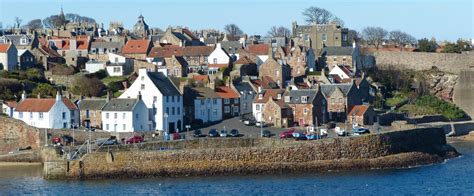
(64, 125)
(172, 99)
(143, 77)
(136, 116)
(40, 115)
(172, 110)
(304, 99)
(124, 115)
(87, 114)
(202, 102)
(167, 110)
(31, 115)
(124, 127)
(333, 100)
(64, 115)
(106, 115)
(245, 106)
(214, 101)
(226, 101)
(324, 37)
(214, 112)
(115, 115)
(178, 98)
(226, 109)
(155, 98)
(72, 113)
(106, 126)
(142, 87)
(20, 114)
(257, 107)
(215, 60)
(277, 72)
(117, 70)
(236, 100)
(179, 111)
(167, 99)
(305, 111)
(340, 100)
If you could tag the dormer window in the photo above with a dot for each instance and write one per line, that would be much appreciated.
(287, 99)
(304, 99)
(23, 41)
(279, 96)
(260, 96)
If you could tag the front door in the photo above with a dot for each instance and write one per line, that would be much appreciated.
(301, 122)
(171, 127)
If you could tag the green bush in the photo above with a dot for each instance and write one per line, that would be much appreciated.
(444, 108)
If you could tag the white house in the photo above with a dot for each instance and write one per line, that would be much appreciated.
(94, 65)
(207, 104)
(53, 113)
(8, 107)
(218, 56)
(126, 115)
(162, 98)
(8, 57)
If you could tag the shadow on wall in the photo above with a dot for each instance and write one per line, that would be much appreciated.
(461, 128)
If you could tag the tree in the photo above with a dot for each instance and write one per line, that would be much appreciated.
(45, 90)
(353, 35)
(464, 45)
(316, 15)
(17, 22)
(451, 48)
(35, 24)
(280, 31)
(401, 39)
(88, 86)
(425, 45)
(374, 36)
(232, 30)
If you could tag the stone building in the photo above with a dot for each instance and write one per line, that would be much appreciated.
(274, 70)
(321, 35)
(308, 106)
(340, 99)
(90, 111)
(140, 29)
(362, 115)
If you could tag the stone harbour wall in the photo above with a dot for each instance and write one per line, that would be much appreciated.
(386, 150)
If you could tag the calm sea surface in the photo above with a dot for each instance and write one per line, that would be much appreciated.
(454, 177)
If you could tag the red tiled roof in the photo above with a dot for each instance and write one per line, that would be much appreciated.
(258, 49)
(4, 47)
(11, 104)
(136, 47)
(346, 70)
(166, 52)
(201, 78)
(244, 61)
(358, 110)
(218, 65)
(41, 105)
(190, 34)
(226, 92)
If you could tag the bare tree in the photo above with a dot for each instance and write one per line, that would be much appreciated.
(374, 36)
(354, 36)
(17, 22)
(280, 31)
(316, 15)
(232, 30)
(401, 39)
(35, 24)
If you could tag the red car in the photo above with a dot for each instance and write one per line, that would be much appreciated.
(287, 134)
(56, 140)
(134, 139)
(176, 136)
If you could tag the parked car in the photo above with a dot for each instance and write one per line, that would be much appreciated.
(106, 142)
(267, 133)
(340, 132)
(287, 134)
(67, 139)
(56, 140)
(223, 133)
(234, 133)
(213, 133)
(134, 139)
(331, 125)
(176, 136)
(299, 136)
(360, 130)
(197, 133)
(249, 122)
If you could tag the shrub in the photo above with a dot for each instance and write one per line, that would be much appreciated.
(62, 69)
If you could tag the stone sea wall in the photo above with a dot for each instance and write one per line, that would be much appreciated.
(447, 62)
(254, 156)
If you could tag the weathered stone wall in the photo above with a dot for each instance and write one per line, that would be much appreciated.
(16, 134)
(447, 62)
(393, 149)
(464, 92)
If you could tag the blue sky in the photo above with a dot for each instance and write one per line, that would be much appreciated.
(443, 19)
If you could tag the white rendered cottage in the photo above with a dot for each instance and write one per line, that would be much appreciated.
(161, 97)
(125, 115)
(52, 113)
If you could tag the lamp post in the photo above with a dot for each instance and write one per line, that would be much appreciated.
(261, 124)
(166, 126)
(73, 125)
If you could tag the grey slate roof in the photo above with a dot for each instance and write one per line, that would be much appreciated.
(120, 105)
(337, 51)
(327, 89)
(15, 39)
(295, 95)
(244, 86)
(117, 45)
(231, 46)
(164, 84)
(204, 92)
(92, 104)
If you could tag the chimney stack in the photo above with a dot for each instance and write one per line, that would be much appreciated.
(23, 95)
(39, 95)
(139, 95)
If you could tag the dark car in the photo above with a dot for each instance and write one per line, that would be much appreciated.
(213, 133)
(267, 133)
(197, 133)
(331, 125)
(67, 139)
(234, 133)
(361, 130)
(134, 139)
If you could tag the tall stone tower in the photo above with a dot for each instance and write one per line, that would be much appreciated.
(140, 29)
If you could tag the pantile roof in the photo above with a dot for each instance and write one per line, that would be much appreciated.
(136, 47)
(41, 105)
(4, 47)
(226, 92)
(358, 110)
(258, 49)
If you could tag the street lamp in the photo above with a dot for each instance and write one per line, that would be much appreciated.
(261, 124)
(166, 126)
(73, 125)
